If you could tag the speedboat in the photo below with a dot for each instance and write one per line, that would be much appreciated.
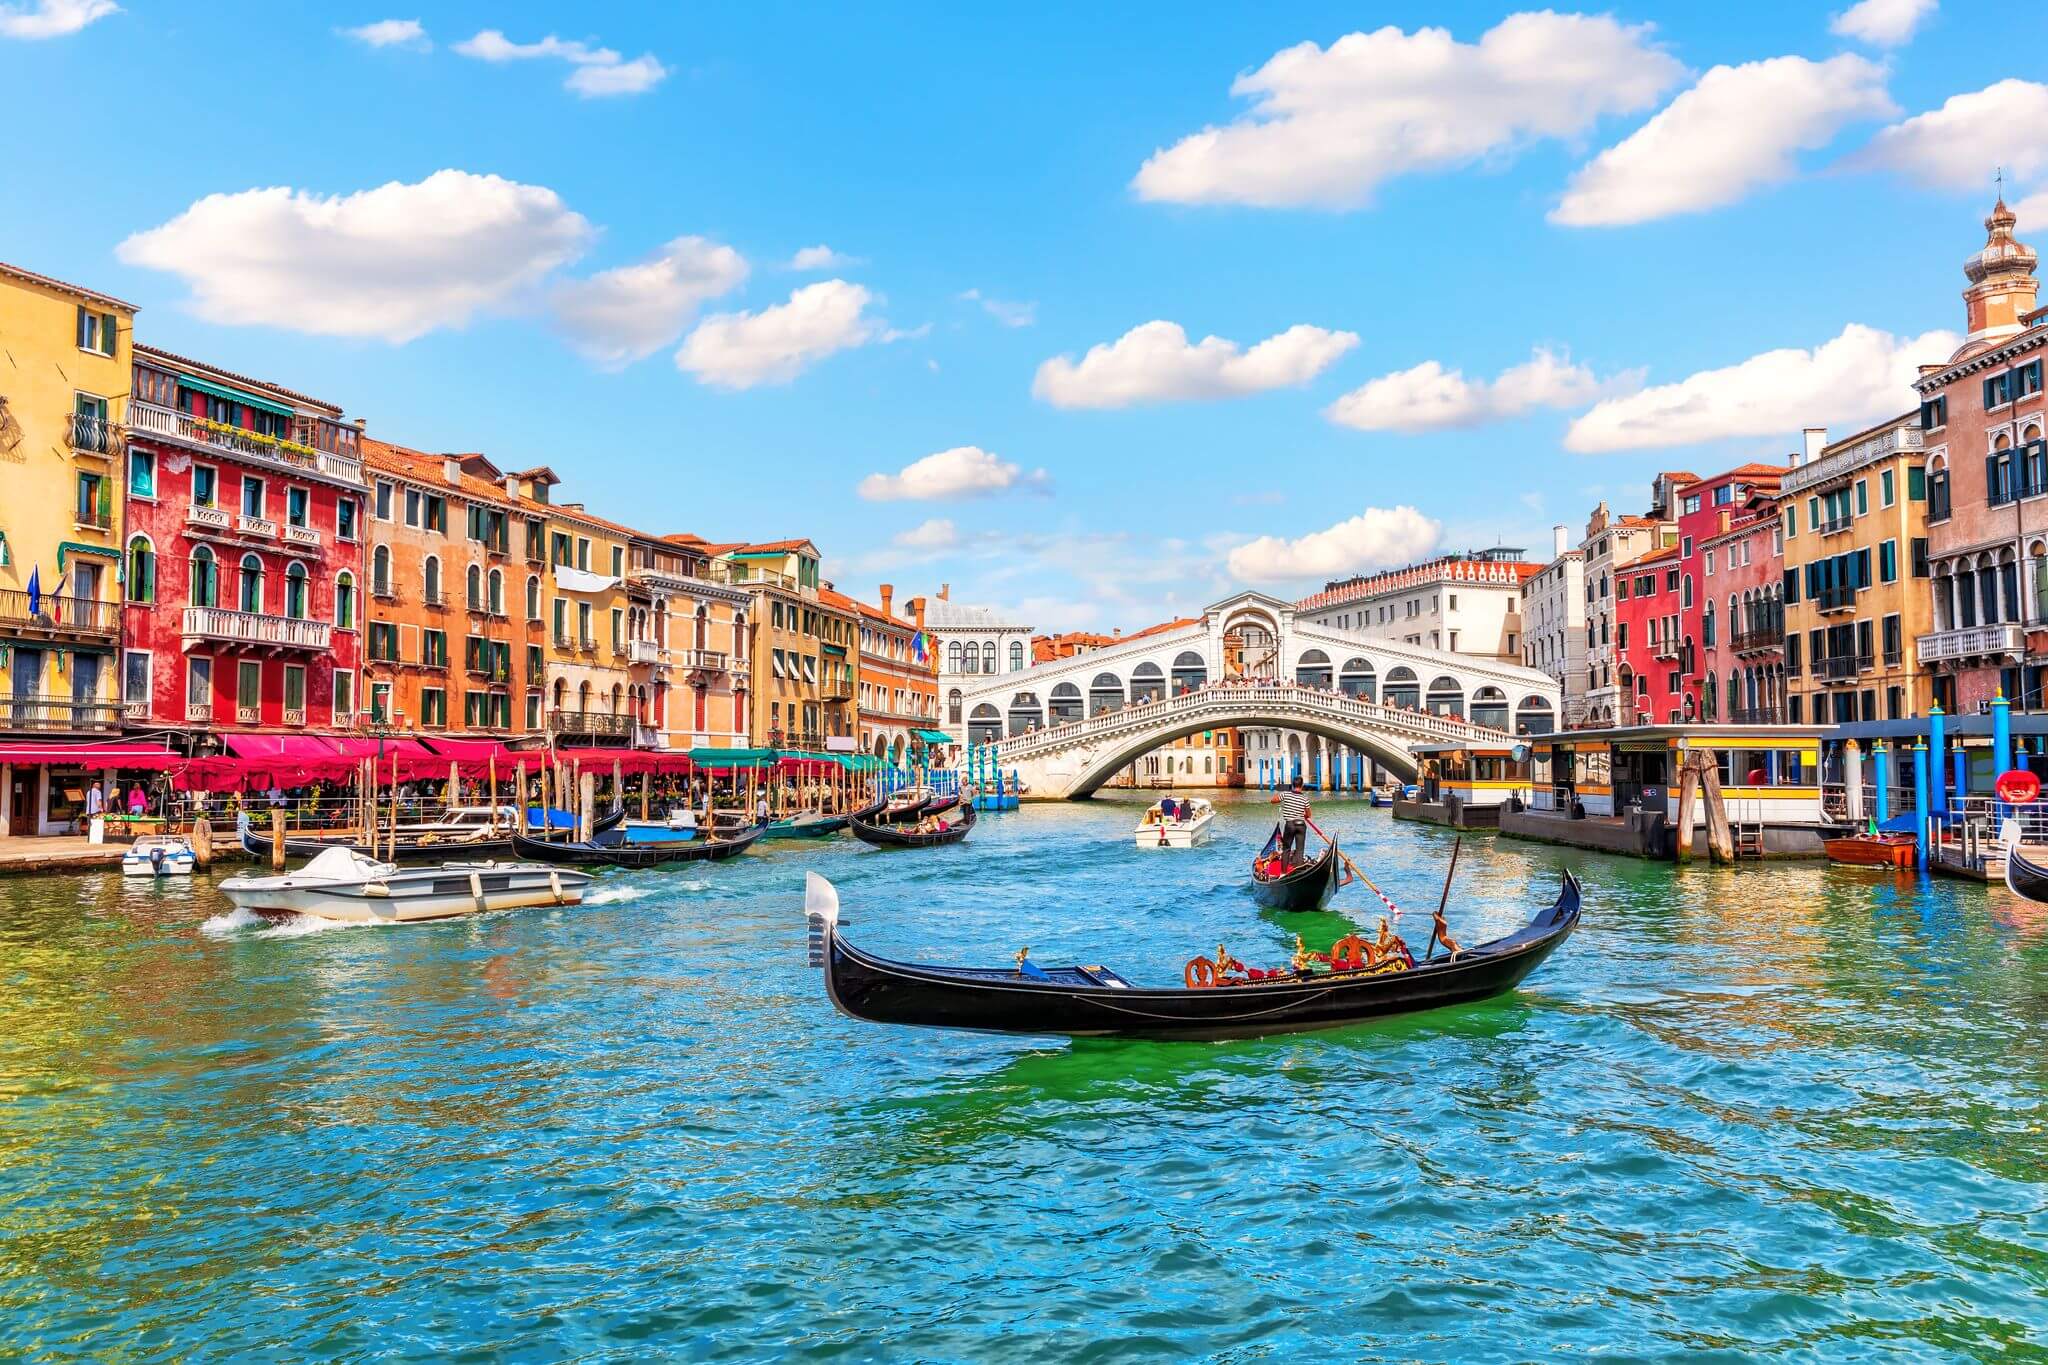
(342, 884)
(1187, 826)
(1382, 796)
(159, 855)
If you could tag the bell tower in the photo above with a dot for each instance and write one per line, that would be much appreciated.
(2002, 284)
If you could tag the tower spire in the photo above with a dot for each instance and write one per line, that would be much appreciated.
(2002, 286)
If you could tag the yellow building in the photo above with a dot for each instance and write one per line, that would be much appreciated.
(1856, 589)
(590, 682)
(805, 650)
(64, 381)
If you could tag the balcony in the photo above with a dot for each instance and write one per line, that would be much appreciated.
(198, 712)
(433, 597)
(273, 633)
(151, 420)
(302, 535)
(562, 642)
(645, 652)
(1972, 642)
(386, 591)
(94, 518)
(1836, 524)
(256, 526)
(1842, 668)
(1756, 715)
(590, 724)
(209, 519)
(58, 617)
(135, 709)
(586, 644)
(1834, 599)
(701, 660)
(248, 715)
(1664, 649)
(294, 715)
(89, 435)
(1761, 640)
(45, 714)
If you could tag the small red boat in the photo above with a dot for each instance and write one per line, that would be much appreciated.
(1871, 850)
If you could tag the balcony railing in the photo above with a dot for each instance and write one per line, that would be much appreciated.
(386, 591)
(1758, 640)
(1834, 599)
(58, 615)
(301, 535)
(209, 518)
(434, 597)
(701, 660)
(256, 526)
(294, 715)
(58, 713)
(93, 435)
(95, 518)
(645, 652)
(182, 426)
(1756, 715)
(135, 708)
(1972, 642)
(198, 711)
(256, 628)
(1664, 649)
(587, 644)
(1841, 667)
(247, 715)
(1835, 524)
(598, 724)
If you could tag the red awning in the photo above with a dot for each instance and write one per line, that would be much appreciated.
(297, 750)
(352, 748)
(91, 755)
(629, 760)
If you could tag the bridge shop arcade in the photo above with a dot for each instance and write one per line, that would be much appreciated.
(1618, 790)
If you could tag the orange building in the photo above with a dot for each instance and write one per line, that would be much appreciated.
(897, 678)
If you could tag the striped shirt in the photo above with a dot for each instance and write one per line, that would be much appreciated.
(1293, 806)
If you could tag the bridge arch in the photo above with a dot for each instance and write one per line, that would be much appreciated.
(1490, 707)
(1111, 759)
(1446, 696)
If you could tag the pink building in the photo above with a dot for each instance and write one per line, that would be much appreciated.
(1741, 625)
(1706, 510)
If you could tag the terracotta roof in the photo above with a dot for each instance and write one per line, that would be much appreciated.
(1755, 468)
(171, 358)
(76, 290)
(1679, 475)
(1164, 626)
(427, 468)
(1668, 552)
(771, 545)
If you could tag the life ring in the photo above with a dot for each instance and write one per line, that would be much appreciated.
(2018, 786)
(1200, 974)
(1347, 953)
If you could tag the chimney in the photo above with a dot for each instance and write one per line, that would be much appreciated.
(915, 606)
(888, 596)
(945, 592)
(451, 469)
(361, 424)
(511, 485)
(1558, 544)
(1815, 442)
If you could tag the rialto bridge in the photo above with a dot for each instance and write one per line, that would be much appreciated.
(1070, 725)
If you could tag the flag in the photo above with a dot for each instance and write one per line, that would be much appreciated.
(35, 590)
(57, 598)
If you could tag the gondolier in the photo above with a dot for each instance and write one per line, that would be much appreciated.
(1294, 818)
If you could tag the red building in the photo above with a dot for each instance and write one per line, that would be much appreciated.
(1706, 509)
(244, 553)
(1649, 639)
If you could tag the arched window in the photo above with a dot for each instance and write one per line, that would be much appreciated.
(380, 571)
(1356, 679)
(561, 693)
(988, 656)
(953, 664)
(1016, 655)
(533, 597)
(474, 583)
(1065, 703)
(141, 570)
(345, 600)
(295, 591)
(205, 590)
(1189, 671)
(1490, 707)
(618, 698)
(497, 597)
(953, 701)
(1446, 697)
(251, 587)
(1025, 714)
(985, 725)
(583, 696)
(430, 579)
(1106, 693)
(1148, 683)
(703, 627)
(1535, 716)
(1402, 688)
(1312, 669)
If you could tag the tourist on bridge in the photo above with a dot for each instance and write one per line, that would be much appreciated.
(1294, 818)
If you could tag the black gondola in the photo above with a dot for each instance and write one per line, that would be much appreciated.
(1308, 887)
(622, 852)
(2023, 877)
(430, 848)
(1096, 1002)
(888, 836)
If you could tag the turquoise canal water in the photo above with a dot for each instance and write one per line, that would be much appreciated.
(1794, 1112)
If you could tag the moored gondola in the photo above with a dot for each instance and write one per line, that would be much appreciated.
(809, 825)
(2023, 876)
(615, 851)
(1306, 886)
(414, 848)
(895, 836)
(1095, 1001)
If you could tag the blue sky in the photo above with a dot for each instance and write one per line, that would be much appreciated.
(1572, 213)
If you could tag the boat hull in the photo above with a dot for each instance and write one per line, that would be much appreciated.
(449, 892)
(1175, 835)
(1075, 1002)
(889, 836)
(1884, 851)
(1308, 887)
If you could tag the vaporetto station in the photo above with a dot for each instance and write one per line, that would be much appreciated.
(1066, 727)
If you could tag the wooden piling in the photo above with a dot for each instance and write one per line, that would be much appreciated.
(586, 794)
(1688, 787)
(276, 840)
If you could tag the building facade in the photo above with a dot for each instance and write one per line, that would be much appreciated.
(1612, 542)
(687, 645)
(246, 511)
(1468, 604)
(973, 644)
(898, 681)
(1648, 647)
(804, 652)
(1982, 424)
(1706, 508)
(1856, 594)
(590, 702)
(1741, 625)
(1554, 622)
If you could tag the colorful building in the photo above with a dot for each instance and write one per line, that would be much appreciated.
(244, 553)
(589, 701)
(804, 649)
(455, 639)
(687, 644)
(1856, 600)
(898, 679)
(1982, 422)
(1612, 542)
(1707, 508)
(1741, 625)
(1554, 622)
(1649, 653)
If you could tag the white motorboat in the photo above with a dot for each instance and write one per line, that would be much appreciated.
(1188, 823)
(159, 855)
(341, 884)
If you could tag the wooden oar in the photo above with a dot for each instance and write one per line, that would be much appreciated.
(1345, 858)
(1430, 952)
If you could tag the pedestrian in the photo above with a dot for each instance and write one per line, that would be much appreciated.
(95, 799)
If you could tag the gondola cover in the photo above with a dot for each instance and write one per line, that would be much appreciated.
(1095, 1001)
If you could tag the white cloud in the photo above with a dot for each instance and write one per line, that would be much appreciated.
(52, 18)
(936, 534)
(1154, 363)
(1005, 311)
(962, 472)
(393, 262)
(820, 257)
(2032, 213)
(1328, 126)
(391, 33)
(773, 346)
(599, 71)
(1882, 23)
(1956, 145)
(619, 316)
(1736, 130)
(1375, 538)
(1859, 377)
(1431, 398)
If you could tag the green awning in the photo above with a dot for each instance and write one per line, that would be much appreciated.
(732, 758)
(759, 554)
(933, 736)
(234, 395)
(840, 650)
